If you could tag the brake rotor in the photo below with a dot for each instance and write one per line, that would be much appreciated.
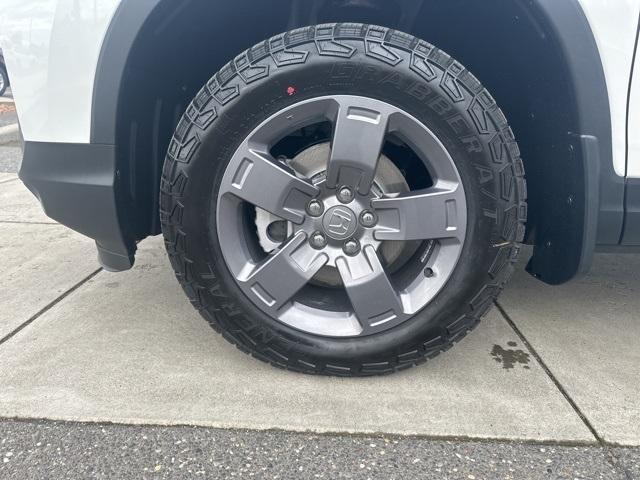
(311, 164)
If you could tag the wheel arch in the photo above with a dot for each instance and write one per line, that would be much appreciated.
(562, 124)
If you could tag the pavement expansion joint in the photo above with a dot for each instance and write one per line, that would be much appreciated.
(48, 307)
(550, 374)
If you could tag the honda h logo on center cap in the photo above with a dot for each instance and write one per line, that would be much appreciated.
(339, 222)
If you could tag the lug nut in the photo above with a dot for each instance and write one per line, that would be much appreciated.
(315, 208)
(345, 195)
(318, 241)
(368, 219)
(351, 247)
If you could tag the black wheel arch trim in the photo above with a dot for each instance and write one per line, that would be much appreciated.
(597, 214)
(79, 186)
(127, 22)
(603, 190)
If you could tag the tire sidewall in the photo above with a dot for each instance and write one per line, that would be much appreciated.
(397, 85)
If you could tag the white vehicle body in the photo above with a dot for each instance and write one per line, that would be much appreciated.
(55, 88)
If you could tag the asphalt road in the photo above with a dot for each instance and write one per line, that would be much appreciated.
(68, 450)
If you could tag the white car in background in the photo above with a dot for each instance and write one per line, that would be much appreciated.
(343, 198)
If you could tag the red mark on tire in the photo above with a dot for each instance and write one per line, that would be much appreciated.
(291, 91)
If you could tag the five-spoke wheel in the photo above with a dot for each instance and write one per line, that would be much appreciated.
(343, 199)
(340, 217)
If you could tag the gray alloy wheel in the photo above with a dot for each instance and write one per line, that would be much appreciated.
(341, 217)
(343, 199)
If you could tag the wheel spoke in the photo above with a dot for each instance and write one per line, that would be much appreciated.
(434, 213)
(358, 136)
(283, 273)
(258, 178)
(295, 282)
(372, 296)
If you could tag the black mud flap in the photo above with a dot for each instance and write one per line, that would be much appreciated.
(564, 248)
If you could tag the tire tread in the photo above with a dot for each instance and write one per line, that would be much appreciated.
(296, 47)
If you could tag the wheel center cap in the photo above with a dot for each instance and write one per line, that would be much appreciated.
(339, 222)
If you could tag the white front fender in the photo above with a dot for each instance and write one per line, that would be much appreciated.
(51, 48)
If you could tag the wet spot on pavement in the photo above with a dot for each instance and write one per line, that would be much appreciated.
(510, 357)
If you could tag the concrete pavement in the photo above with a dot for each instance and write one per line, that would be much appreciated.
(18, 203)
(7, 177)
(588, 334)
(561, 364)
(31, 281)
(130, 348)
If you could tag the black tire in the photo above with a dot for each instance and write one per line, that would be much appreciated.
(4, 82)
(367, 61)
